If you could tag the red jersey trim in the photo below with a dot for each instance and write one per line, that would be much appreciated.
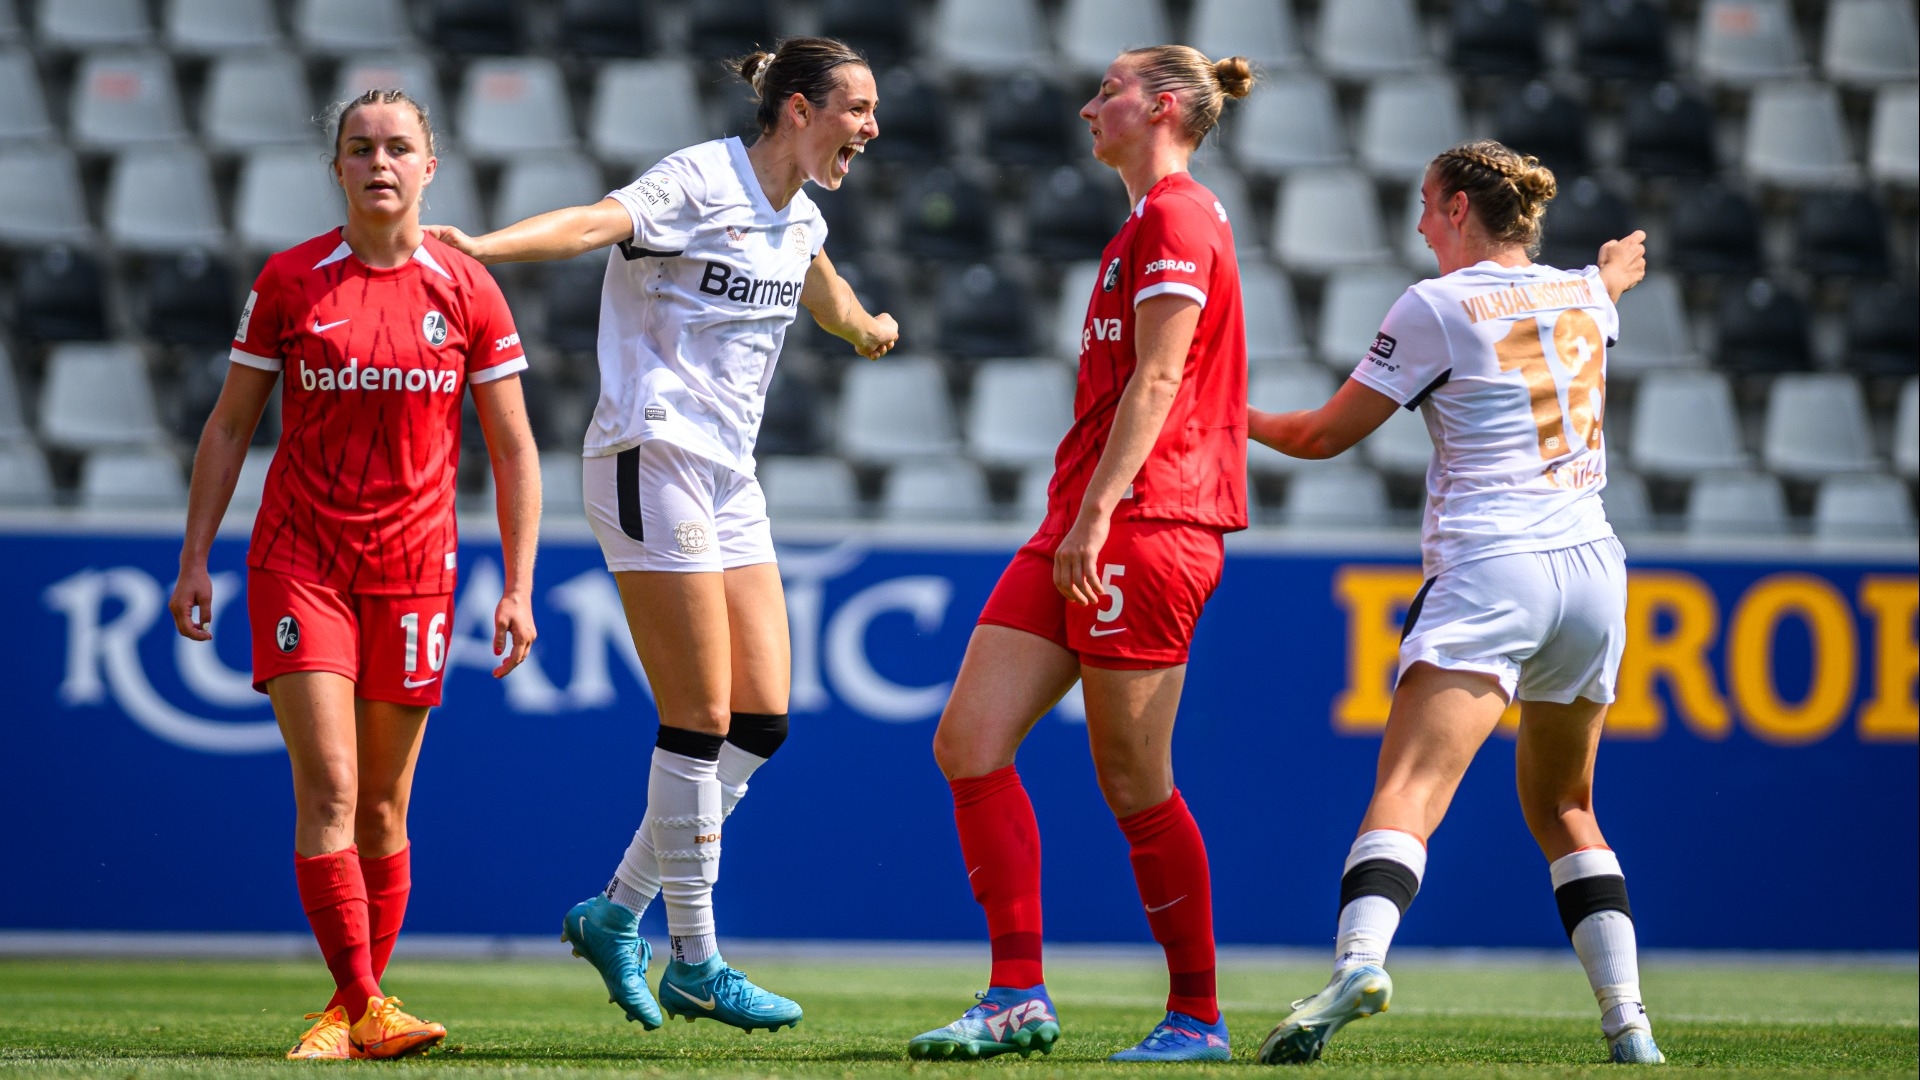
(264, 363)
(1175, 288)
(498, 371)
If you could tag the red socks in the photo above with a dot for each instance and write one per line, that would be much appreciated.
(1170, 867)
(389, 881)
(1000, 841)
(334, 894)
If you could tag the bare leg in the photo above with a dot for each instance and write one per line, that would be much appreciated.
(1008, 680)
(316, 714)
(1438, 722)
(1553, 768)
(680, 628)
(1130, 731)
(761, 656)
(389, 738)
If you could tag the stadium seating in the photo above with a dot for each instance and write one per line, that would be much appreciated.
(1653, 330)
(1230, 188)
(25, 479)
(514, 105)
(944, 490)
(1741, 42)
(351, 27)
(250, 486)
(1263, 31)
(190, 300)
(896, 410)
(1496, 37)
(1629, 510)
(1547, 124)
(1736, 504)
(1071, 212)
(472, 27)
(1906, 430)
(809, 487)
(945, 216)
(1842, 234)
(1684, 423)
(256, 99)
(1668, 132)
(1893, 146)
(1286, 389)
(1351, 311)
(1028, 121)
(411, 72)
(1714, 229)
(1365, 39)
(561, 492)
(1869, 42)
(644, 110)
(78, 25)
(41, 200)
(572, 294)
(1274, 334)
(1077, 282)
(1292, 123)
(1621, 39)
(454, 196)
(988, 37)
(13, 422)
(1030, 498)
(1401, 446)
(916, 120)
(983, 312)
(1406, 121)
(220, 27)
(1816, 425)
(1328, 220)
(596, 28)
(1883, 329)
(1412, 247)
(97, 396)
(1093, 32)
(1018, 411)
(537, 184)
(1584, 216)
(123, 99)
(147, 479)
(882, 29)
(285, 196)
(1797, 137)
(23, 106)
(60, 295)
(791, 425)
(722, 29)
(1869, 507)
(1763, 329)
(1337, 497)
(162, 199)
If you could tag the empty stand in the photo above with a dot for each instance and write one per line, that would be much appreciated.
(792, 421)
(285, 196)
(41, 200)
(1714, 229)
(808, 487)
(538, 183)
(1093, 32)
(1496, 37)
(1019, 411)
(607, 27)
(256, 99)
(147, 478)
(1893, 146)
(1736, 504)
(1406, 121)
(916, 120)
(562, 492)
(1077, 283)
(1764, 329)
(347, 27)
(473, 27)
(1548, 124)
(1290, 123)
(190, 300)
(24, 477)
(1883, 329)
(250, 487)
(1274, 334)
(1286, 389)
(882, 29)
(943, 215)
(1797, 138)
(896, 410)
(949, 490)
(1817, 425)
(1629, 510)
(1411, 246)
(408, 71)
(1263, 31)
(1740, 42)
(1684, 423)
(1621, 39)
(1668, 132)
(60, 295)
(1355, 303)
(1584, 216)
(1027, 120)
(1365, 39)
(1336, 497)
(1869, 42)
(1401, 446)
(453, 198)
(1654, 332)
(1842, 234)
(1073, 211)
(124, 99)
(1906, 430)
(983, 312)
(722, 29)
(1327, 220)
(92, 24)
(572, 293)
(644, 110)
(218, 27)
(97, 396)
(1030, 496)
(13, 412)
(985, 37)
(23, 107)
(514, 105)
(1868, 507)
(1230, 190)
(162, 199)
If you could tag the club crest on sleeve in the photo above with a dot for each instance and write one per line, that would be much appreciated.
(693, 537)
(287, 633)
(434, 328)
(797, 238)
(1112, 279)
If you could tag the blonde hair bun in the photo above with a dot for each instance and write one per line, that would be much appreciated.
(1235, 76)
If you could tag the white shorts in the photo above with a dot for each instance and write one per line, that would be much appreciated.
(1550, 625)
(657, 506)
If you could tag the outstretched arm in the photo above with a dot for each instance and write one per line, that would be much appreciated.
(1352, 414)
(556, 234)
(828, 296)
(1623, 263)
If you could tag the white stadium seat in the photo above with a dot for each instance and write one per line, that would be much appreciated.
(946, 490)
(1289, 123)
(1365, 39)
(1684, 423)
(1338, 497)
(1868, 42)
(514, 105)
(1734, 504)
(809, 487)
(896, 410)
(1263, 31)
(350, 27)
(1893, 146)
(1093, 32)
(1868, 506)
(1906, 430)
(1351, 310)
(24, 477)
(1327, 220)
(216, 27)
(256, 99)
(454, 196)
(41, 197)
(1654, 332)
(1070, 311)
(644, 110)
(161, 199)
(1030, 499)
(1739, 42)
(1401, 446)
(250, 487)
(538, 183)
(412, 72)
(1274, 335)
(1019, 411)
(13, 411)
(987, 37)
(1817, 425)
(97, 396)
(562, 492)
(1406, 122)
(124, 99)
(1797, 137)
(1625, 498)
(1286, 389)
(285, 196)
(10, 31)
(1230, 190)
(74, 25)
(23, 108)
(146, 478)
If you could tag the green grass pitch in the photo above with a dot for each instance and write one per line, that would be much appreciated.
(1498, 1018)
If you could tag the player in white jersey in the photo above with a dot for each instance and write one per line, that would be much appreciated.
(1525, 590)
(717, 248)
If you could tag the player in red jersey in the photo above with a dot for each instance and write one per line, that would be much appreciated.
(1147, 482)
(379, 329)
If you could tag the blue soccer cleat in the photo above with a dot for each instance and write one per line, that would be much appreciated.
(606, 935)
(1005, 1021)
(1181, 1038)
(1352, 994)
(1634, 1046)
(714, 991)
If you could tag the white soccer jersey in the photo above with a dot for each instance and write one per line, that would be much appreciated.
(1508, 366)
(695, 306)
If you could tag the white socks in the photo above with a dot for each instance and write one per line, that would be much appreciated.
(637, 881)
(683, 812)
(1592, 894)
(1382, 874)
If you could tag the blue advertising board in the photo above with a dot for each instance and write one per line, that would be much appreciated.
(1758, 778)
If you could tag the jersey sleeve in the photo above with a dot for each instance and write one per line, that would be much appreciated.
(1173, 250)
(257, 340)
(1409, 358)
(665, 206)
(493, 350)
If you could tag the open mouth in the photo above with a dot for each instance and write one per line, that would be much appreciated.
(843, 160)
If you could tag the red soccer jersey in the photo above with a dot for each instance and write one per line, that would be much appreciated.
(1177, 241)
(360, 493)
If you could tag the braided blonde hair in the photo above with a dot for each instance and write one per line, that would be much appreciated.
(1509, 191)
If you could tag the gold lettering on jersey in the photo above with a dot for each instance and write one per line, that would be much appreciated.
(1578, 346)
(1576, 338)
(1521, 351)
(1512, 300)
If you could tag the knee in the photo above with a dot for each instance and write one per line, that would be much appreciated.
(958, 750)
(329, 799)
(380, 823)
(1129, 791)
(707, 718)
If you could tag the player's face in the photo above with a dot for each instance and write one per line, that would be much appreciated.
(382, 163)
(832, 135)
(1436, 227)
(1119, 114)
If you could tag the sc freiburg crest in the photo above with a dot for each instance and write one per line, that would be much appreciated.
(287, 633)
(434, 328)
(1112, 279)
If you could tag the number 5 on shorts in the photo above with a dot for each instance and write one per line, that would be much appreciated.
(436, 641)
(1112, 588)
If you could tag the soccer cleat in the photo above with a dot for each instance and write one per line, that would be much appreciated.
(327, 1038)
(386, 1032)
(1357, 992)
(1006, 1021)
(1181, 1038)
(714, 991)
(1634, 1046)
(606, 935)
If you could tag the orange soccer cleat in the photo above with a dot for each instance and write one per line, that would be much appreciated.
(327, 1038)
(386, 1032)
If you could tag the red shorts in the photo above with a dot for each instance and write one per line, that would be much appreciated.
(394, 648)
(1158, 575)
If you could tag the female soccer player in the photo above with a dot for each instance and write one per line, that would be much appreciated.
(1526, 588)
(378, 329)
(1146, 484)
(717, 245)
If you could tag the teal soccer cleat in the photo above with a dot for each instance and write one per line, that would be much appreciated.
(1007, 1021)
(715, 991)
(606, 935)
(1181, 1038)
(1352, 994)
(1634, 1046)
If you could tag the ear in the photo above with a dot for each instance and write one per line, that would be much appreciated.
(1459, 207)
(800, 108)
(1164, 104)
(433, 166)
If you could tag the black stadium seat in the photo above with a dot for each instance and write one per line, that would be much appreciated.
(607, 27)
(572, 292)
(1621, 39)
(1583, 216)
(1028, 121)
(791, 425)
(846, 211)
(474, 27)
(984, 313)
(1496, 37)
(875, 293)
(722, 29)
(60, 296)
(1668, 131)
(1073, 211)
(1548, 124)
(913, 119)
(1714, 229)
(945, 216)
(882, 29)
(190, 300)
(1842, 234)
(1883, 329)
(1763, 329)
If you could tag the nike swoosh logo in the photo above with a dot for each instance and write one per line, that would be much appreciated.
(410, 684)
(972, 872)
(1097, 632)
(705, 1003)
(1168, 904)
(321, 328)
